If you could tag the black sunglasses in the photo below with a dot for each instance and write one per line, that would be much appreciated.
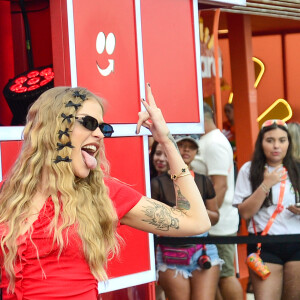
(91, 123)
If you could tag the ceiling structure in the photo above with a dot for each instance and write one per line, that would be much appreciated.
(285, 9)
(267, 16)
(263, 25)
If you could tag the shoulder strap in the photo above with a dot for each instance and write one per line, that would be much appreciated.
(278, 210)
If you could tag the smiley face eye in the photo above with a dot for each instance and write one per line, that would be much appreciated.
(107, 43)
(110, 43)
(100, 42)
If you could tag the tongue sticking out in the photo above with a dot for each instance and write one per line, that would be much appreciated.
(89, 160)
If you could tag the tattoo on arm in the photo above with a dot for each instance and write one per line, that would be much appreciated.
(160, 216)
(182, 202)
(173, 141)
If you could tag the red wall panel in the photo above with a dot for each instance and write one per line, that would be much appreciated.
(127, 164)
(9, 154)
(6, 59)
(269, 50)
(169, 57)
(292, 46)
(120, 87)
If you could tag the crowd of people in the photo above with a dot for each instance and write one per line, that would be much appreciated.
(187, 279)
(254, 197)
(59, 207)
(211, 161)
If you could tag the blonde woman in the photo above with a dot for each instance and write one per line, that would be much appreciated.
(59, 208)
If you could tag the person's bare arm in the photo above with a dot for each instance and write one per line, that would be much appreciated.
(189, 217)
(250, 206)
(220, 186)
(212, 210)
(156, 217)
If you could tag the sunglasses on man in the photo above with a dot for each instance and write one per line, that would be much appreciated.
(91, 124)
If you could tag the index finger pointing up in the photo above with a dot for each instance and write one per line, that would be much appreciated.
(150, 97)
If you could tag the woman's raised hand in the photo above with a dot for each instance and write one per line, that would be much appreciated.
(152, 118)
(277, 175)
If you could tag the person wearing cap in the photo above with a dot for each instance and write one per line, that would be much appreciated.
(215, 159)
(199, 278)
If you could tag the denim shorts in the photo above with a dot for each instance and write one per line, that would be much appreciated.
(186, 271)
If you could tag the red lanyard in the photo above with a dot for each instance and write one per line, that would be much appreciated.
(278, 210)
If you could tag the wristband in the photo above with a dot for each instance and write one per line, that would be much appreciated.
(265, 189)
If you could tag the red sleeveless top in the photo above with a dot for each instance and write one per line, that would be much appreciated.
(68, 277)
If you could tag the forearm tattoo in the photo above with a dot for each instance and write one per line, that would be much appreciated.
(182, 202)
(162, 217)
(173, 141)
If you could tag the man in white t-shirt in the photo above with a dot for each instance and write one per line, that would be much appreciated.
(215, 159)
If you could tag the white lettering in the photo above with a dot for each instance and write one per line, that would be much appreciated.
(208, 67)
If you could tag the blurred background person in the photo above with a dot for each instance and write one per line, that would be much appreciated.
(228, 127)
(215, 159)
(150, 143)
(158, 160)
(192, 280)
(158, 165)
(294, 130)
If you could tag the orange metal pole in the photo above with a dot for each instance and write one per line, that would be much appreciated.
(151, 290)
(243, 77)
(218, 102)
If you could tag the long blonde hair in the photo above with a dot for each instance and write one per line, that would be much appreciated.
(85, 201)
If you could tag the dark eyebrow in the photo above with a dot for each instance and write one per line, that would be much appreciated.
(273, 138)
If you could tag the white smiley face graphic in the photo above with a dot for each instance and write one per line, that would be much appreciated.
(106, 43)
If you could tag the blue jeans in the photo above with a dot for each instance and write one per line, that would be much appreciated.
(186, 271)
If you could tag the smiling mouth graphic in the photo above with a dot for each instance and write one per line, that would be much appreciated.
(107, 44)
(108, 70)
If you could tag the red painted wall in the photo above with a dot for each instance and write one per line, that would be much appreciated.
(269, 49)
(292, 42)
(226, 80)
(38, 14)
(6, 59)
(13, 57)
